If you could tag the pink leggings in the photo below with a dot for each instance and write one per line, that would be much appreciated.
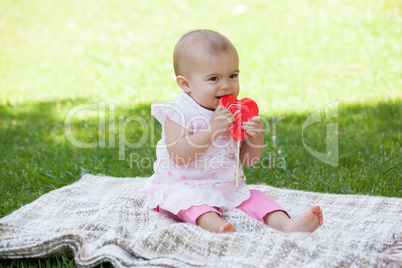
(257, 206)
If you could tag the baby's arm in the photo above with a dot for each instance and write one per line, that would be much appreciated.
(253, 145)
(184, 147)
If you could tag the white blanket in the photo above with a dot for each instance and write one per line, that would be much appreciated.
(102, 218)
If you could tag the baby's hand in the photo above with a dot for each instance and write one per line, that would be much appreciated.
(220, 120)
(254, 128)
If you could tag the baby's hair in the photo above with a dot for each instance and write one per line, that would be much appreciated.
(210, 41)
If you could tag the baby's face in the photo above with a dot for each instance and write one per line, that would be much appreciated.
(213, 77)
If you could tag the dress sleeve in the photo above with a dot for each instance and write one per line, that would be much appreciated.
(161, 110)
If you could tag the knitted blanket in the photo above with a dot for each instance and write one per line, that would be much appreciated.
(101, 218)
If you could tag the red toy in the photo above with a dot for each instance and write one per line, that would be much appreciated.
(243, 110)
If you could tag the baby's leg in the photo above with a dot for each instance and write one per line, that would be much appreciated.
(262, 208)
(207, 218)
(306, 222)
(213, 222)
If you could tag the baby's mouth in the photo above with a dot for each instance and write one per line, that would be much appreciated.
(219, 97)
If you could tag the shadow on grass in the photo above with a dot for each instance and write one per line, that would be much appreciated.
(369, 141)
(37, 157)
(55, 262)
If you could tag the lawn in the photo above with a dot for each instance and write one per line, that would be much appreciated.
(115, 58)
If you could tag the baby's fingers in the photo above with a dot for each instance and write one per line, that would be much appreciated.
(220, 107)
(253, 128)
(257, 125)
(231, 118)
(256, 119)
(254, 132)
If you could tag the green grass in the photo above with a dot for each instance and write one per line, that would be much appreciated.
(295, 57)
(51, 262)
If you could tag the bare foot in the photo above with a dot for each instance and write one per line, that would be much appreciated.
(227, 228)
(306, 222)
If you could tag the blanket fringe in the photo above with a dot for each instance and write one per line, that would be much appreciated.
(395, 252)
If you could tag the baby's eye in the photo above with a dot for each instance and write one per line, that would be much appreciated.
(233, 76)
(213, 78)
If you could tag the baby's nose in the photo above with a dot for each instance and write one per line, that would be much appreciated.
(225, 85)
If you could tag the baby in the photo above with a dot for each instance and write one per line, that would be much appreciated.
(195, 170)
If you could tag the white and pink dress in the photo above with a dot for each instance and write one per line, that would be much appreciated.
(210, 180)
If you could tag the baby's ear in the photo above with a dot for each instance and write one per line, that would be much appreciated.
(183, 84)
